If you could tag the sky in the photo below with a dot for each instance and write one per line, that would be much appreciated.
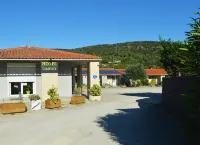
(77, 23)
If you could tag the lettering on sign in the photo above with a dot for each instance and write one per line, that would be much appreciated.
(49, 67)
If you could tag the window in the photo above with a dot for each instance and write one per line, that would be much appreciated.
(15, 88)
(26, 88)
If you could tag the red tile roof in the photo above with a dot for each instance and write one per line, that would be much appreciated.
(41, 53)
(155, 72)
(149, 72)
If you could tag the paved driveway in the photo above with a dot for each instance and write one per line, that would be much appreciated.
(126, 116)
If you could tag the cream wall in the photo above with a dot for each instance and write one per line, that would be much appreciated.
(93, 70)
(48, 80)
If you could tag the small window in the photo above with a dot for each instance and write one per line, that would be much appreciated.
(26, 88)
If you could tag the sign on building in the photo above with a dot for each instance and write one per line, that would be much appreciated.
(49, 67)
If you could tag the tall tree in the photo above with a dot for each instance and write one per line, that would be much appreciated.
(193, 45)
(174, 59)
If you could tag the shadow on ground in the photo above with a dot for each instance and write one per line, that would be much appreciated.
(148, 125)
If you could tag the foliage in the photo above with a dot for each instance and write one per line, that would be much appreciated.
(77, 91)
(121, 55)
(145, 82)
(28, 88)
(136, 72)
(174, 59)
(183, 57)
(123, 86)
(34, 97)
(106, 86)
(139, 83)
(95, 90)
(193, 45)
(153, 82)
(52, 92)
(124, 80)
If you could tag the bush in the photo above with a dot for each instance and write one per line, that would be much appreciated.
(106, 86)
(52, 92)
(153, 82)
(139, 83)
(123, 86)
(95, 90)
(77, 91)
(34, 97)
(145, 82)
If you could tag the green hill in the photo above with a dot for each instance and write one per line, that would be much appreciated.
(122, 54)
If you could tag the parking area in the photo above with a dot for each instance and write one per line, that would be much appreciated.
(126, 116)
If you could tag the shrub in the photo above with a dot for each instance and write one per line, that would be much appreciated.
(153, 82)
(145, 82)
(95, 90)
(52, 92)
(34, 97)
(123, 86)
(77, 91)
(106, 86)
(139, 83)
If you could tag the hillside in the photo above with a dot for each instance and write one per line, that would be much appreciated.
(122, 54)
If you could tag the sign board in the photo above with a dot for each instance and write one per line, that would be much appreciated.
(94, 76)
(49, 67)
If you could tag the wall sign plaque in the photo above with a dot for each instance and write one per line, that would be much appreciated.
(49, 67)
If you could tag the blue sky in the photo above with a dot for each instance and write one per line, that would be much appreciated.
(77, 23)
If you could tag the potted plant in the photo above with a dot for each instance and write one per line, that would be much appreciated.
(10, 108)
(28, 89)
(78, 98)
(95, 93)
(35, 102)
(53, 101)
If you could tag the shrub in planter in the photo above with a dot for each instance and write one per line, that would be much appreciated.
(35, 102)
(95, 93)
(78, 98)
(53, 101)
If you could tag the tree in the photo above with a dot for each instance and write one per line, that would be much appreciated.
(136, 72)
(174, 59)
(193, 45)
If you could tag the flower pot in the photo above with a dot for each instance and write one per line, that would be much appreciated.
(77, 100)
(49, 104)
(9, 108)
(94, 98)
(36, 104)
(28, 92)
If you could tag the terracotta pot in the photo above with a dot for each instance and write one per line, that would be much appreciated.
(49, 104)
(77, 100)
(9, 108)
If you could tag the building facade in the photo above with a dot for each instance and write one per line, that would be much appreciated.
(31, 70)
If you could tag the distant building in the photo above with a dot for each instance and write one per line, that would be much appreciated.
(157, 74)
(112, 76)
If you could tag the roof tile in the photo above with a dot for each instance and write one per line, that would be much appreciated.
(41, 53)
